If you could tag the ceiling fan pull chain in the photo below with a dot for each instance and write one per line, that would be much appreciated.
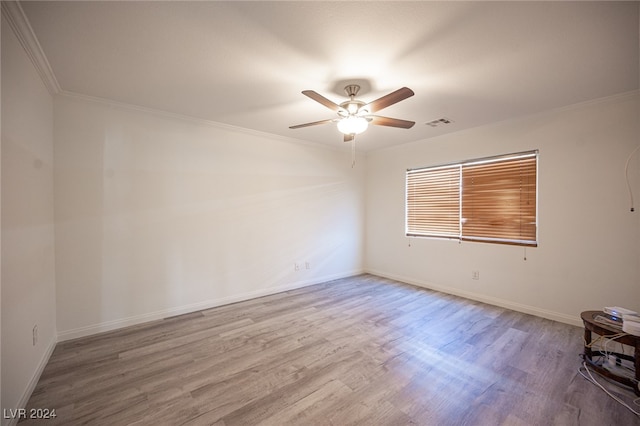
(353, 152)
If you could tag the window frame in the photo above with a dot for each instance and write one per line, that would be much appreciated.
(411, 228)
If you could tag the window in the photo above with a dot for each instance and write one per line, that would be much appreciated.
(490, 199)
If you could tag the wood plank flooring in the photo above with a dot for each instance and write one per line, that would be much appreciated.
(362, 350)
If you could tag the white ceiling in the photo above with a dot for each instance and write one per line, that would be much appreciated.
(245, 63)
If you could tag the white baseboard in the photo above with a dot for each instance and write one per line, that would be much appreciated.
(508, 304)
(24, 399)
(185, 309)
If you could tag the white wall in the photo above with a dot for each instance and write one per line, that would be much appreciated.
(28, 277)
(589, 243)
(157, 215)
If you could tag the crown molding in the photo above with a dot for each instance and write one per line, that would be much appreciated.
(199, 121)
(617, 97)
(17, 19)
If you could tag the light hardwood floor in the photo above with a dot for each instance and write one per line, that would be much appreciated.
(362, 350)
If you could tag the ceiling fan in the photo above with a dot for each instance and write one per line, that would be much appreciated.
(354, 115)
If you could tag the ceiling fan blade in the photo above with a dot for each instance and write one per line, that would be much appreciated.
(392, 122)
(315, 123)
(349, 138)
(390, 99)
(321, 99)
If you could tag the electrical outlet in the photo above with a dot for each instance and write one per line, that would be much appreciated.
(475, 275)
(35, 334)
(307, 265)
(296, 266)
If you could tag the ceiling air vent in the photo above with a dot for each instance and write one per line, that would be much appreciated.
(439, 122)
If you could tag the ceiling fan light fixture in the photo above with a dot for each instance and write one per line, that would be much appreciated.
(353, 125)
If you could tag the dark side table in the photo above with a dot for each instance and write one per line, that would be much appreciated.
(603, 329)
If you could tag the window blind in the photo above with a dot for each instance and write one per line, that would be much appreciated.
(433, 202)
(499, 200)
(492, 199)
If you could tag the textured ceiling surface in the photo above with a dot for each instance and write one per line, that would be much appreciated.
(245, 63)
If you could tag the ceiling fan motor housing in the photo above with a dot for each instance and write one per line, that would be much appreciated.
(352, 106)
